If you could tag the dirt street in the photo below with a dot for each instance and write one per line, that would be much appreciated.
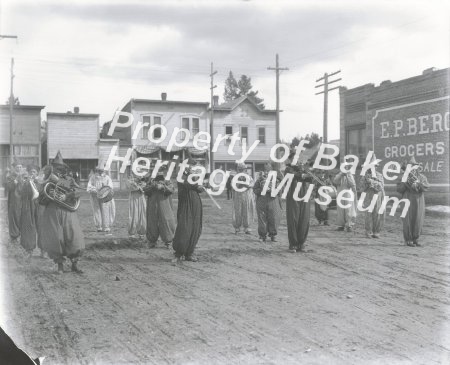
(351, 300)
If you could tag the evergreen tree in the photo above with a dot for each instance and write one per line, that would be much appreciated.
(231, 88)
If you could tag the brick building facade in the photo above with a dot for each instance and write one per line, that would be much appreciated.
(399, 119)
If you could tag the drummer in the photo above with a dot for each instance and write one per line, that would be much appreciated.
(104, 212)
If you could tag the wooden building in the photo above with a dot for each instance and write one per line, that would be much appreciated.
(26, 135)
(243, 115)
(401, 119)
(76, 136)
(170, 113)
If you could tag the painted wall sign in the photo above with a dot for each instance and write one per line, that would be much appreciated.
(420, 129)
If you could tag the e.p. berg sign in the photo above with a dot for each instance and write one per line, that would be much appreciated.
(418, 129)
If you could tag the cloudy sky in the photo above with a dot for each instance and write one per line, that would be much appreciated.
(98, 54)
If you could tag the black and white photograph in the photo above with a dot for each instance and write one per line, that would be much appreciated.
(218, 182)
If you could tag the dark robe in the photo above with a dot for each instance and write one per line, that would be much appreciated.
(413, 221)
(189, 219)
(268, 208)
(28, 218)
(14, 206)
(160, 217)
(297, 212)
(60, 232)
(321, 211)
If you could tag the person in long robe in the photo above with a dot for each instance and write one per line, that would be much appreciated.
(243, 204)
(29, 213)
(61, 234)
(160, 216)
(321, 210)
(189, 219)
(413, 190)
(268, 208)
(373, 185)
(345, 217)
(14, 202)
(137, 208)
(297, 212)
(104, 212)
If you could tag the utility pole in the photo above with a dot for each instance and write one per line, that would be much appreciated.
(211, 125)
(11, 101)
(11, 111)
(277, 69)
(325, 91)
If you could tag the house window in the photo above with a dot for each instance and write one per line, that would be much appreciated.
(146, 119)
(356, 142)
(195, 126)
(157, 131)
(262, 135)
(244, 134)
(229, 133)
(114, 170)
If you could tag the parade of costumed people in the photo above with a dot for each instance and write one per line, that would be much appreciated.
(372, 185)
(61, 234)
(413, 189)
(345, 181)
(137, 207)
(160, 216)
(243, 202)
(189, 215)
(268, 207)
(101, 191)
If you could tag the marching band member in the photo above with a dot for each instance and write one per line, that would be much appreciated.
(14, 202)
(320, 210)
(373, 185)
(268, 208)
(29, 213)
(297, 212)
(413, 190)
(243, 204)
(60, 231)
(346, 216)
(137, 209)
(104, 212)
(160, 216)
(189, 217)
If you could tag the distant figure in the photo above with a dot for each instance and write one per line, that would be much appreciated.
(346, 216)
(229, 187)
(243, 210)
(14, 202)
(413, 190)
(373, 185)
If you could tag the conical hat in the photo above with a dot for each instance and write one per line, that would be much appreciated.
(58, 160)
(413, 161)
(373, 159)
(101, 164)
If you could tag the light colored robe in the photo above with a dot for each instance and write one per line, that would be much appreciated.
(345, 216)
(243, 208)
(104, 213)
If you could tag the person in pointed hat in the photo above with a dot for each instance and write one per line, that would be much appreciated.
(60, 232)
(243, 203)
(413, 189)
(372, 186)
(104, 212)
(345, 217)
(14, 200)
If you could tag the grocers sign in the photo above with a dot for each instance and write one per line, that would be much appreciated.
(419, 129)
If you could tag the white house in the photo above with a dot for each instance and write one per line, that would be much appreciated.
(253, 123)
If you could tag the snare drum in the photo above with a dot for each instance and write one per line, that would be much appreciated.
(105, 194)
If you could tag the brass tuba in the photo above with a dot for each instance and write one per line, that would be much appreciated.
(56, 190)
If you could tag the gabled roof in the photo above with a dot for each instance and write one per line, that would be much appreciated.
(233, 104)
